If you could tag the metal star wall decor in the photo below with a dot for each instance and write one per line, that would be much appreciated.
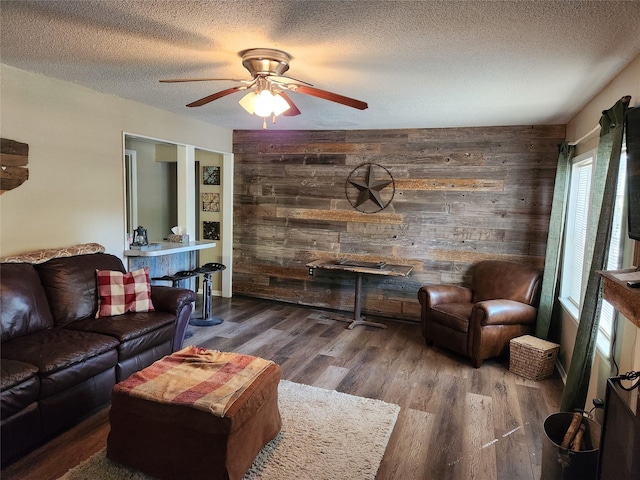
(370, 188)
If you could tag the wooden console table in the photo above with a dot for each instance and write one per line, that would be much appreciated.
(359, 268)
(624, 299)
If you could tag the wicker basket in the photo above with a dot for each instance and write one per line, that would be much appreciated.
(532, 357)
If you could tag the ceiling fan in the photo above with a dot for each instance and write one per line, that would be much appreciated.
(267, 97)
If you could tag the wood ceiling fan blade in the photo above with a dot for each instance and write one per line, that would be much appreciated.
(182, 80)
(215, 96)
(332, 97)
(293, 110)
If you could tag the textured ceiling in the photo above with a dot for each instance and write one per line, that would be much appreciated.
(416, 63)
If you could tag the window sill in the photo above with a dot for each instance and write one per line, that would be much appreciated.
(570, 309)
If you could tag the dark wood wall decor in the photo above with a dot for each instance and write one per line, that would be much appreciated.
(14, 157)
(461, 195)
(617, 292)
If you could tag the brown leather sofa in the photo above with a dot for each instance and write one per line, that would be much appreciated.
(480, 320)
(59, 362)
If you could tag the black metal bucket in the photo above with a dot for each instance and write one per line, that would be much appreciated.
(561, 464)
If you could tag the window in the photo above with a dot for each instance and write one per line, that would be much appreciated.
(576, 233)
(573, 274)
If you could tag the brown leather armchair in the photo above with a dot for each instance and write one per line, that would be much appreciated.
(479, 321)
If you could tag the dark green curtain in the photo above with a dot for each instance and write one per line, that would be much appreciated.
(603, 195)
(554, 240)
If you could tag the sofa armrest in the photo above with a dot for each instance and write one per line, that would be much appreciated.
(171, 299)
(504, 312)
(178, 301)
(431, 295)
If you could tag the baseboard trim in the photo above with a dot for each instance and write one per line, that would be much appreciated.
(562, 372)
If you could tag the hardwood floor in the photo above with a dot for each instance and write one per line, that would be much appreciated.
(456, 422)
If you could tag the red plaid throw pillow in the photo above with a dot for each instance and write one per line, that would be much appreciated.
(120, 293)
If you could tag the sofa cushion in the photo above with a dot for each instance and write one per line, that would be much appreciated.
(136, 332)
(119, 293)
(64, 357)
(23, 304)
(20, 386)
(70, 284)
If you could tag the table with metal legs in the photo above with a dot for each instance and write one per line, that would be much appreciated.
(360, 268)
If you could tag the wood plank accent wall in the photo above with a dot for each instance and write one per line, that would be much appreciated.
(14, 157)
(462, 195)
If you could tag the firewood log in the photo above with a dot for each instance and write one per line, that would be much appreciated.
(577, 444)
(572, 430)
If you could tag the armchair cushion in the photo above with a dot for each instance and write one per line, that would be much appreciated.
(496, 279)
(453, 315)
(504, 312)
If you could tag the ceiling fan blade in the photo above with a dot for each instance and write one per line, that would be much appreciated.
(332, 97)
(284, 80)
(181, 80)
(215, 96)
(293, 110)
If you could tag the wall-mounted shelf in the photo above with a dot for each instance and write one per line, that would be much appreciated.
(624, 299)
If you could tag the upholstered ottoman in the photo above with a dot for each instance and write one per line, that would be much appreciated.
(195, 414)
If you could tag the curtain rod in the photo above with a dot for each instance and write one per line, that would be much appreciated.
(626, 99)
(586, 135)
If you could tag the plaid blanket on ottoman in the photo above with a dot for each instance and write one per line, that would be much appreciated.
(196, 377)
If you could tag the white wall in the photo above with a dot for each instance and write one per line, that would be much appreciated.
(74, 193)
(626, 83)
(204, 158)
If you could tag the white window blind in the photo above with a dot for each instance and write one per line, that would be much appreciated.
(577, 233)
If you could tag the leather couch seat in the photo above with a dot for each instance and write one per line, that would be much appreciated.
(63, 357)
(20, 386)
(135, 332)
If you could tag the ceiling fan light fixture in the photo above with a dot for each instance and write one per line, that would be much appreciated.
(280, 105)
(248, 102)
(264, 104)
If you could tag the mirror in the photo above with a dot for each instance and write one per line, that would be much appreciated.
(151, 186)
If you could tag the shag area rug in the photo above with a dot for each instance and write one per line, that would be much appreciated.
(326, 435)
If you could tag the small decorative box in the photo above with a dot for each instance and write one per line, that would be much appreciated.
(178, 238)
(532, 357)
